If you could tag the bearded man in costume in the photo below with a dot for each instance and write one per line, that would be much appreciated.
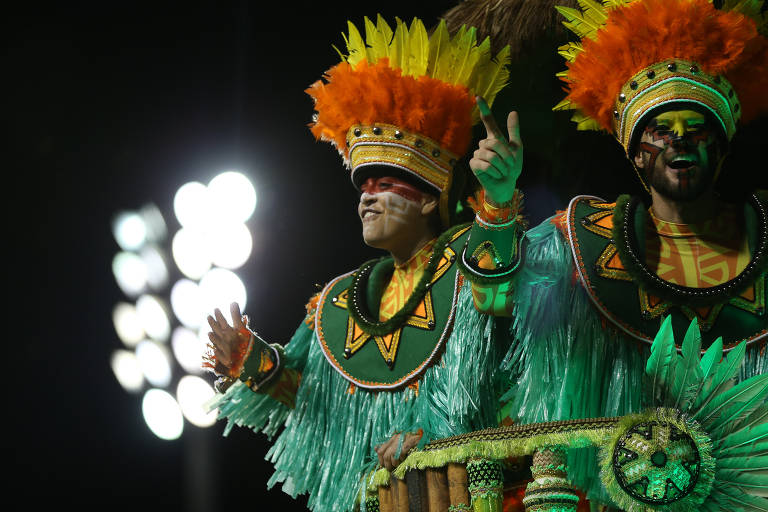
(392, 353)
(589, 287)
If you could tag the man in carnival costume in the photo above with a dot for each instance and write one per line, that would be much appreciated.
(590, 287)
(395, 346)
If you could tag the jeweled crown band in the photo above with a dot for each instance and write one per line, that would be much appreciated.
(668, 82)
(384, 144)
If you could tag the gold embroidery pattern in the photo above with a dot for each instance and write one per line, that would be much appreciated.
(449, 256)
(423, 317)
(753, 298)
(609, 264)
(356, 338)
(600, 222)
(706, 315)
(651, 307)
(388, 345)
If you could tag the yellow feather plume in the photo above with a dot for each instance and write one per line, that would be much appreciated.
(418, 49)
(458, 61)
(355, 45)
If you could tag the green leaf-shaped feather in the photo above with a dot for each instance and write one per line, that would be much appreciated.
(751, 437)
(658, 367)
(744, 463)
(754, 484)
(738, 499)
(723, 373)
(747, 392)
(687, 371)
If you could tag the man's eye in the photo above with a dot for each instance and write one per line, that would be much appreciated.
(384, 184)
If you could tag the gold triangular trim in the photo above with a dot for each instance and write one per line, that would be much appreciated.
(602, 268)
(756, 306)
(590, 223)
(340, 301)
(426, 322)
(389, 352)
(449, 256)
(352, 344)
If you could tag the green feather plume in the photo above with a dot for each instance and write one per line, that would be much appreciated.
(687, 372)
(661, 362)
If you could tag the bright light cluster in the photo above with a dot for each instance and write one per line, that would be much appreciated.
(163, 327)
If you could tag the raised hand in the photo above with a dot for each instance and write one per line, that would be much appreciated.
(498, 160)
(387, 452)
(227, 339)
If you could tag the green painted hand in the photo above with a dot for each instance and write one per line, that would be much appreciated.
(498, 161)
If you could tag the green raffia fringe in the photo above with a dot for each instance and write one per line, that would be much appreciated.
(381, 478)
(690, 503)
(566, 364)
(328, 440)
(497, 450)
(260, 412)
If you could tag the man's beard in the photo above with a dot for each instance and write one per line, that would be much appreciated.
(686, 189)
(683, 190)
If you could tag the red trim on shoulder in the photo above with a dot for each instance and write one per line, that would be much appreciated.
(560, 220)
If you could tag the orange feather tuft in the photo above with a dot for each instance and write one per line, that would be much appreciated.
(423, 105)
(640, 34)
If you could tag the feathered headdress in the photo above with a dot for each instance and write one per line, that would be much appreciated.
(404, 99)
(638, 55)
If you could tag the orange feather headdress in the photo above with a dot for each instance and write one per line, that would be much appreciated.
(404, 99)
(636, 56)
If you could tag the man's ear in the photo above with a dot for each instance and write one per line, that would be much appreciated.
(429, 204)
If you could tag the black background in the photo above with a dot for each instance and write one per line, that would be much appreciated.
(116, 104)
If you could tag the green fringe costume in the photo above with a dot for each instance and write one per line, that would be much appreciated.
(327, 441)
(581, 340)
(699, 444)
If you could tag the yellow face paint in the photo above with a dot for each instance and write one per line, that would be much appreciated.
(680, 122)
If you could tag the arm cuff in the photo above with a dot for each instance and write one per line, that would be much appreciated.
(493, 252)
(263, 365)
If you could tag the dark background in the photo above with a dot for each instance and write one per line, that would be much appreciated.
(116, 104)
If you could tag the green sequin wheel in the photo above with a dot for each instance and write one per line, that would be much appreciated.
(658, 461)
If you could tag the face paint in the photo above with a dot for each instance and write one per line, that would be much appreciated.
(387, 208)
(391, 184)
(679, 149)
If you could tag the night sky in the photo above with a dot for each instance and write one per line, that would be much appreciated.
(114, 105)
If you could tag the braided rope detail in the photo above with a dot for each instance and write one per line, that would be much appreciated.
(524, 431)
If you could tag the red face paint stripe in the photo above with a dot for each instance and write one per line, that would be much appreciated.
(391, 184)
(653, 151)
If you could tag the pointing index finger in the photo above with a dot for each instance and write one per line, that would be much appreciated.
(486, 116)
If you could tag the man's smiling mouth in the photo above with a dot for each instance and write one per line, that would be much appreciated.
(681, 164)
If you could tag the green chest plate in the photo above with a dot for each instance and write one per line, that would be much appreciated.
(389, 357)
(612, 284)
